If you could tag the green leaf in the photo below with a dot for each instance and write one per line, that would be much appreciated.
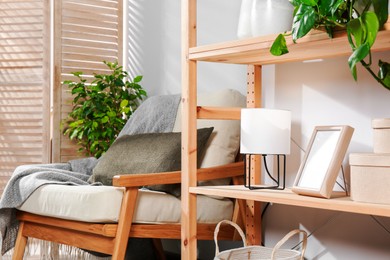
(384, 73)
(359, 54)
(279, 47)
(76, 123)
(104, 120)
(124, 103)
(77, 74)
(142, 92)
(296, 2)
(78, 90)
(95, 125)
(73, 134)
(109, 131)
(381, 10)
(355, 28)
(364, 29)
(94, 144)
(309, 2)
(371, 23)
(137, 79)
(303, 21)
(329, 7)
(384, 69)
(111, 114)
(80, 135)
(126, 110)
(119, 82)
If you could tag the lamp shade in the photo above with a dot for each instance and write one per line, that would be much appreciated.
(265, 131)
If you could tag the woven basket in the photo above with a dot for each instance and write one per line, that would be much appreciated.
(259, 252)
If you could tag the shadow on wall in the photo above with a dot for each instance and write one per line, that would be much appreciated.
(152, 46)
(134, 33)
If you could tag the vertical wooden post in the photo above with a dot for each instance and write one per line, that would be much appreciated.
(57, 87)
(46, 153)
(121, 45)
(253, 208)
(189, 102)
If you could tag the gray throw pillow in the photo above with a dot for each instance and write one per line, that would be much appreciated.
(145, 153)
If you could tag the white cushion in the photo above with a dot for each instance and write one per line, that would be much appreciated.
(102, 204)
(224, 142)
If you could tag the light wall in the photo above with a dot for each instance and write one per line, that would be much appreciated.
(324, 93)
(154, 44)
(320, 93)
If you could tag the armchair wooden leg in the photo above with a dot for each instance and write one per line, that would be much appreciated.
(21, 242)
(124, 224)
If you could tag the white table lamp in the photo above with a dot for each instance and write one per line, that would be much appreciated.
(266, 132)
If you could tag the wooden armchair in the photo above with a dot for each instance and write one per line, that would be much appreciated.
(110, 236)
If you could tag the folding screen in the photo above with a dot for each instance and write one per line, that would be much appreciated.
(24, 85)
(86, 32)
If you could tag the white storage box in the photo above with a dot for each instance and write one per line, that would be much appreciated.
(370, 177)
(381, 128)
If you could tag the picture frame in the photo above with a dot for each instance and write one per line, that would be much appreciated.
(321, 164)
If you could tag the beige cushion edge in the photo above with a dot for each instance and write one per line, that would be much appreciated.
(152, 206)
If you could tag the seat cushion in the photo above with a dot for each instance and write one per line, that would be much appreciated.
(102, 204)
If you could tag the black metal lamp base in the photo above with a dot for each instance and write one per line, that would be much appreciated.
(279, 185)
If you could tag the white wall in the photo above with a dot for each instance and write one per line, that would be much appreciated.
(154, 44)
(322, 93)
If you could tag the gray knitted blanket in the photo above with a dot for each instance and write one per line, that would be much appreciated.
(24, 181)
(156, 114)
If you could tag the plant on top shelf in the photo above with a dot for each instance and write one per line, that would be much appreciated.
(101, 108)
(362, 20)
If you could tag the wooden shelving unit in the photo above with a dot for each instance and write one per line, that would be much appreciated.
(253, 52)
(287, 197)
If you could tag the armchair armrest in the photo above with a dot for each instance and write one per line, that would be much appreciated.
(204, 174)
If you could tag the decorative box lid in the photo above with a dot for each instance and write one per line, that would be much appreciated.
(370, 159)
(381, 123)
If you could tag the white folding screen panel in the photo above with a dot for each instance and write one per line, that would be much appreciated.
(24, 84)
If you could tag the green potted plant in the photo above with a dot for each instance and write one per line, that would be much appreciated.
(101, 108)
(362, 19)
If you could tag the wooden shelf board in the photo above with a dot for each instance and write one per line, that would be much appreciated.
(255, 51)
(287, 197)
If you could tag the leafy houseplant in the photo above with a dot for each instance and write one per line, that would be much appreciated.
(362, 20)
(101, 108)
